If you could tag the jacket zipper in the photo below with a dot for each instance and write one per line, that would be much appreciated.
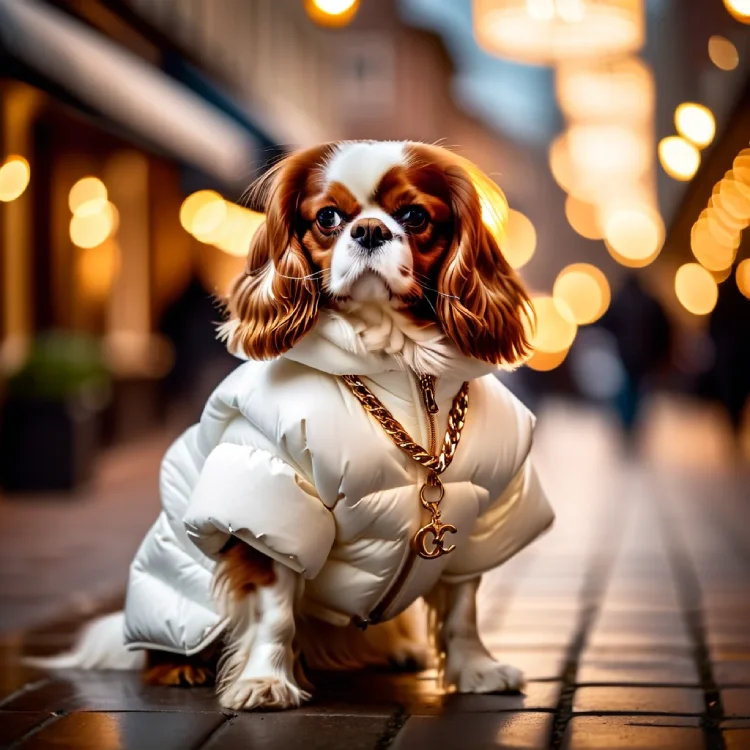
(427, 385)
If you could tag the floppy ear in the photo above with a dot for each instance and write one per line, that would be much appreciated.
(275, 302)
(486, 310)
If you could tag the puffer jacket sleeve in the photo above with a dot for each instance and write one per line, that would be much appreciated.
(518, 516)
(255, 495)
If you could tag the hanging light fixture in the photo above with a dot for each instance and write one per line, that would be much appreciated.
(545, 32)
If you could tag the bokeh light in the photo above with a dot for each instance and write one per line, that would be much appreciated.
(555, 328)
(696, 123)
(193, 204)
(696, 289)
(606, 90)
(709, 251)
(679, 158)
(739, 9)
(93, 222)
(332, 13)
(742, 276)
(634, 236)
(723, 53)
(584, 218)
(97, 268)
(85, 190)
(585, 290)
(520, 240)
(546, 361)
(543, 32)
(14, 178)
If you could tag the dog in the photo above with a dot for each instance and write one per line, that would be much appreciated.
(316, 504)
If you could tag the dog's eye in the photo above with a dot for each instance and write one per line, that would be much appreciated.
(413, 218)
(328, 218)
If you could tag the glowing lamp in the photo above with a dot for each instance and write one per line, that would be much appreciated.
(333, 14)
(545, 32)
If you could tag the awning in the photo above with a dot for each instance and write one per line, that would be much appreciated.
(126, 89)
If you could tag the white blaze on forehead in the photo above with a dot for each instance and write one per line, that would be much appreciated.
(360, 166)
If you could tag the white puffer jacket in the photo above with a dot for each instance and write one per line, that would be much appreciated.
(286, 459)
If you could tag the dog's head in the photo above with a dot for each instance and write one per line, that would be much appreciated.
(398, 223)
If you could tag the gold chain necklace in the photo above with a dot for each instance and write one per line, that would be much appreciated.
(435, 465)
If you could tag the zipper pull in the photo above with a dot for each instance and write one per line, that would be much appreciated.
(427, 384)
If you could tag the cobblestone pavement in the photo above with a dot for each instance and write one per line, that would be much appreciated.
(631, 620)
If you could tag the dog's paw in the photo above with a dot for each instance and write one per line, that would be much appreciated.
(485, 675)
(259, 693)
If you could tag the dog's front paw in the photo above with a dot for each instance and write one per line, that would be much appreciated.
(482, 674)
(263, 693)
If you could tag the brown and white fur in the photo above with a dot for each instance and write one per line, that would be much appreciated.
(397, 225)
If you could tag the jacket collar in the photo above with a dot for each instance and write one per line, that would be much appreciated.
(372, 340)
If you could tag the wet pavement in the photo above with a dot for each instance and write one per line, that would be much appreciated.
(631, 618)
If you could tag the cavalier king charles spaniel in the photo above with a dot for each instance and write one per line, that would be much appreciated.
(351, 227)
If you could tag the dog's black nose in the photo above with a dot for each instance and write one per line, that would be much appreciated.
(370, 233)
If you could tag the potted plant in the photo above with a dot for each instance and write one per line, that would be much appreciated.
(49, 424)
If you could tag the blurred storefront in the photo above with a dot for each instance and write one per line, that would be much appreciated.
(108, 126)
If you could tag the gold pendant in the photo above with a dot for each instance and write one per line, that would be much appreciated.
(436, 528)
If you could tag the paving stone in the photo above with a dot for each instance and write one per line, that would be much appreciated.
(633, 733)
(279, 731)
(736, 701)
(110, 691)
(13, 726)
(606, 672)
(666, 700)
(731, 672)
(536, 695)
(134, 730)
(535, 664)
(503, 731)
(736, 733)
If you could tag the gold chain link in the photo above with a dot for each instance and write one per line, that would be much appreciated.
(400, 436)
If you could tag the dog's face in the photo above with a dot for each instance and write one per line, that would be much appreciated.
(390, 222)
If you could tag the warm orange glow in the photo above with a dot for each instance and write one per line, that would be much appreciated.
(193, 204)
(679, 158)
(584, 218)
(723, 275)
(634, 234)
(543, 32)
(332, 13)
(546, 361)
(239, 229)
(520, 241)
(85, 190)
(607, 90)
(707, 246)
(492, 200)
(723, 53)
(93, 222)
(585, 290)
(14, 178)
(555, 325)
(742, 276)
(608, 152)
(97, 268)
(735, 197)
(696, 289)
(696, 123)
(739, 9)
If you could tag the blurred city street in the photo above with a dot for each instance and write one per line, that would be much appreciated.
(605, 150)
(629, 618)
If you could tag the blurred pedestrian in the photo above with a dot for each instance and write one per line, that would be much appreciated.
(644, 339)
